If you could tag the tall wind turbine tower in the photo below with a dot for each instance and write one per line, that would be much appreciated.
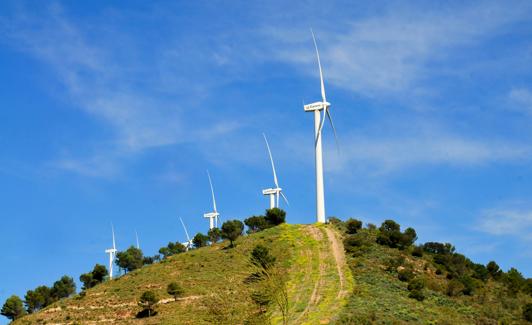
(112, 254)
(317, 107)
(212, 216)
(273, 192)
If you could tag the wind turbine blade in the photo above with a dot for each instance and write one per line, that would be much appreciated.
(285, 199)
(334, 129)
(113, 232)
(212, 191)
(137, 238)
(184, 227)
(271, 160)
(319, 65)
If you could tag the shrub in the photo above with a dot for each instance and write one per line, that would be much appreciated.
(275, 216)
(469, 285)
(390, 235)
(416, 284)
(417, 294)
(527, 312)
(353, 226)
(438, 248)
(172, 249)
(514, 280)
(405, 274)
(174, 290)
(417, 251)
(454, 288)
(148, 299)
(493, 269)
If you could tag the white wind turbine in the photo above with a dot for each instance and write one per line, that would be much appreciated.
(112, 254)
(188, 243)
(317, 107)
(213, 216)
(273, 192)
(137, 238)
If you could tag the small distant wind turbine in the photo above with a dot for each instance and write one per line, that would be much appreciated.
(137, 238)
(213, 216)
(188, 243)
(112, 254)
(317, 107)
(273, 192)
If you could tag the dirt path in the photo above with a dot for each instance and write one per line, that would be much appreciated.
(324, 272)
(339, 255)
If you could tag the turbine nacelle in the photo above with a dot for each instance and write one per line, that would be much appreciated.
(212, 216)
(317, 106)
(111, 251)
(271, 191)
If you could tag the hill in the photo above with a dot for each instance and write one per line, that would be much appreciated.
(368, 282)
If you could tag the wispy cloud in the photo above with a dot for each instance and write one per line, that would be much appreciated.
(510, 221)
(397, 52)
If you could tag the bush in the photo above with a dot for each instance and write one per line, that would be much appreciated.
(275, 216)
(417, 294)
(390, 235)
(454, 288)
(469, 285)
(174, 290)
(514, 280)
(416, 284)
(417, 251)
(405, 274)
(172, 249)
(147, 300)
(527, 312)
(353, 226)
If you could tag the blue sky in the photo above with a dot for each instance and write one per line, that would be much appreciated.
(112, 114)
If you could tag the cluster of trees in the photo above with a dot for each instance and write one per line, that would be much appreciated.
(390, 235)
(38, 298)
(272, 218)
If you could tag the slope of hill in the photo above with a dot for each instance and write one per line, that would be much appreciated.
(318, 284)
(323, 285)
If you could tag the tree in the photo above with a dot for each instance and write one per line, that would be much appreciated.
(214, 235)
(147, 300)
(232, 229)
(13, 308)
(63, 288)
(493, 269)
(352, 226)
(390, 235)
(256, 224)
(175, 290)
(93, 278)
(275, 216)
(514, 280)
(438, 248)
(130, 260)
(200, 240)
(172, 249)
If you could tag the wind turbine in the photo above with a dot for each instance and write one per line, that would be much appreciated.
(112, 254)
(188, 243)
(213, 216)
(317, 107)
(137, 238)
(273, 192)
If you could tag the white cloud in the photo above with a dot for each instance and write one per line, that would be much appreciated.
(377, 154)
(507, 221)
(396, 52)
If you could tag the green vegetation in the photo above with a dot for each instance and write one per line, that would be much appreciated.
(130, 260)
(93, 278)
(172, 249)
(175, 290)
(341, 273)
(13, 308)
(214, 234)
(200, 240)
(231, 230)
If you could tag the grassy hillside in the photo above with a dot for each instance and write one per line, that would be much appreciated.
(323, 284)
(214, 281)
